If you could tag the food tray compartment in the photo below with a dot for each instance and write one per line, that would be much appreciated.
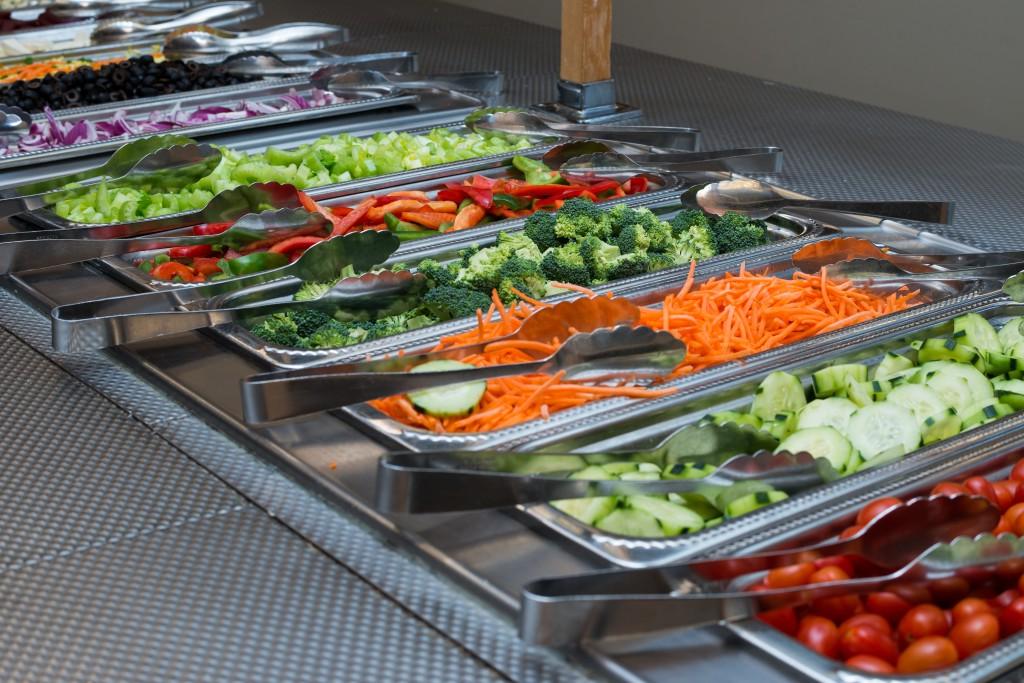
(994, 455)
(645, 424)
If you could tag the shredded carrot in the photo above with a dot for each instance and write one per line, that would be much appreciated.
(722, 319)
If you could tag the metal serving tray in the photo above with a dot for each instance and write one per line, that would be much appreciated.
(148, 46)
(284, 137)
(259, 91)
(643, 424)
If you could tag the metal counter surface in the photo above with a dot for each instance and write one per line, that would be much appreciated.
(143, 538)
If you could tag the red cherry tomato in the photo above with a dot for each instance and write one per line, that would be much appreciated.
(862, 639)
(1017, 473)
(889, 606)
(914, 593)
(850, 531)
(784, 619)
(867, 619)
(1003, 527)
(841, 561)
(1005, 492)
(1017, 526)
(974, 634)
(1010, 571)
(875, 508)
(819, 634)
(1011, 617)
(921, 621)
(828, 574)
(949, 591)
(1014, 511)
(968, 607)
(793, 575)
(1005, 598)
(980, 486)
(870, 664)
(927, 654)
(1020, 583)
(948, 488)
(838, 609)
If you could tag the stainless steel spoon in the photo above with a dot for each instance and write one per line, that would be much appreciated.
(15, 122)
(600, 354)
(760, 200)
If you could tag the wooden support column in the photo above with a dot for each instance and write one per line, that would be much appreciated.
(586, 40)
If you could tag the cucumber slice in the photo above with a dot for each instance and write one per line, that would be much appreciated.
(879, 427)
(1011, 333)
(892, 364)
(727, 416)
(754, 501)
(998, 363)
(648, 467)
(782, 425)
(974, 330)
(686, 470)
(1010, 392)
(821, 442)
(984, 412)
(881, 459)
(863, 393)
(832, 380)
(696, 502)
(538, 464)
(739, 490)
(448, 401)
(640, 476)
(631, 522)
(587, 510)
(827, 412)
(713, 522)
(947, 348)
(674, 519)
(778, 392)
(977, 383)
(617, 468)
(941, 426)
(919, 399)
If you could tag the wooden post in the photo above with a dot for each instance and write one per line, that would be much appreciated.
(586, 40)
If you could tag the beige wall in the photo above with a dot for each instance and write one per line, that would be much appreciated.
(957, 61)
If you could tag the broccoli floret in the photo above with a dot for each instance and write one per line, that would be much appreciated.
(682, 221)
(660, 236)
(579, 218)
(311, 290)
(540, 227)
(536, 172)
(519, 245)
(278, 329)
(733, 231)
(698, 242)
(633, 239)
(335, 334)
(660, 261)
(565, 264)
(481, 272)
(468, 253)
(437, 273)
(447, 302)
(599, 257)
(621, 216)
(524, 275)
(308, 321)
(630, 265)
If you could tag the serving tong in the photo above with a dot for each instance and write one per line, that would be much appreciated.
(169, 162)
(925, 539)
(285, 62)
(759, 200)
(247, 206)
(471, 86)
(139, 317)
(596, 355)
(119, 29)
(588, 167)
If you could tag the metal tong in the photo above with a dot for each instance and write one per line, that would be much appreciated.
(16, 121)
(740, 160)
(114, 30)
(601, 354)
(341, 78)
(268, 63)
(925, 539)
(519, 122)
(138, 317)
(300, 36)
(162, 161)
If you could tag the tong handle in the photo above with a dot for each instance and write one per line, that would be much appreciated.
(478, 82)
(663, 137)
(294, 35)
(966, 260)
(739, 160)
(923, 211)
(293, 393)
(199, 15)
(997, 273)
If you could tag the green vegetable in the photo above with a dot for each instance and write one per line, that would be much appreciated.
(452, 400)
(536, 172)
(447, 302)
(255, 262)
(734, 232)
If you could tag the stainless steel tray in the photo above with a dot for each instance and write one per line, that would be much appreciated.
(258, 91)
(994, 454)
(283, 136)
(641, 425)
(144, 46)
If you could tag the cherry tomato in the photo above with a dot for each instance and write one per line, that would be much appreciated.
(889, 606)
(1005, 598)
(851, 531)
(784, 619)
(974, 634)
(1005, 492)
(1003, 527)
(927, 654)
(1009, 572)
(867, 619)
(1014, 511)
(1011, 617)
(870, 664)
(980, 486)
(949, 591)
(1018, 524)
(948, 488)
(819, 634)
(837, 609)
(875, 508)
(1017, 473)
(1020, 583)
(793, 575)
(862, 639)
(914, 593)
(841, 561)
(828, 574)
(921, 621)
(968, 607)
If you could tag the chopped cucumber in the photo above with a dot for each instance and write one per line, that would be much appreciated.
(919, 399)
(1010, 392)
(687, 470)
(674, 519)
(998, 363)
(821, 442)
(778, 392)
(977, 384)
(892, 364)
(753, 501)
(1011, 333)
(630, 522)
(538, 464)
(833, 380)
(781, 425)
(696, 502)
(827, 412)
(984, 412)
(947, 348)
(882, 458)
(879, 427)
(863, 393)
(587, 510)
(727, 416)
(977, 332)
(617, 468)
(739, 490)
(640, 476)
(448, 401)
(940, 426)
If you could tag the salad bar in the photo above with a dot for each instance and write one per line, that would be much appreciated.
(635, 388)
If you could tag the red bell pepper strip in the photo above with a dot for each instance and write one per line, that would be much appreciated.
(376, 213)
(341, 210)
(168, 271)
(344, 225)
(210, 228)
(637, 183)
(300, 243)
(482, 196)
(603, 186)
(542, 190)
(198, 250)
(452, 194)
(482, 182)
(206, 266)
(309, 205)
